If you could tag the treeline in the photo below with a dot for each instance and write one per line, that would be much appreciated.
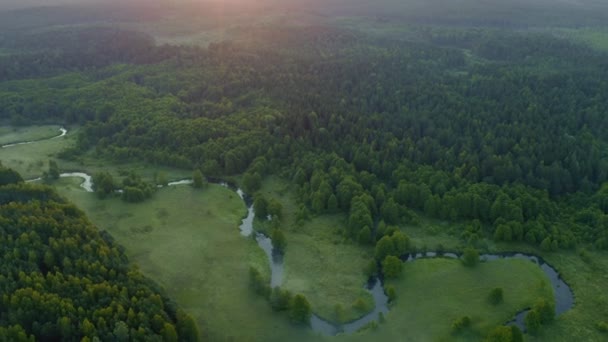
(62, 279)
(49, 53)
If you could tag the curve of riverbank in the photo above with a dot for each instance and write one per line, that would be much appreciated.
(63, 132)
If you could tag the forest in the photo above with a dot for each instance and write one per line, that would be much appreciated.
(500, 133)
(62, 279)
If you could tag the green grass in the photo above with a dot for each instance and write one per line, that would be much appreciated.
(188, 241)
(31, 160)
(432, 293)
(9, 134)
(319, 262)
(588, 281)
(325, 269)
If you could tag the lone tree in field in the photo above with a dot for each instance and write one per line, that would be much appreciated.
(299, 310)
(496, 296)
(470, 258)
(198, 181)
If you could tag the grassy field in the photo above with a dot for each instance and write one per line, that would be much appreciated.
(320, 263)
(587, 277)
(31, 160)
(9, 134)
(432, 293)
(188, 241)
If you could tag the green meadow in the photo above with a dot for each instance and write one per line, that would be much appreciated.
(188, 241)
(10, 134)
(433, 293)
(319, 262)
(31, 160)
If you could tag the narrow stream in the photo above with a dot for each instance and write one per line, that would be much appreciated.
(62, 130)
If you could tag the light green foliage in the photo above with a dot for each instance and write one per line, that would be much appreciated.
(461, 324)
(280, 299)
(169, 334)
(258, 282)
(365, 236)
(505, 334)
(384, 248)
(198, 180)
(300, 310)
(470, 257)
(391, 293)
(371, 268)
(533, 321)
(121, 331)
(392, 267)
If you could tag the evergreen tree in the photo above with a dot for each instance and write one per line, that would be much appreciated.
(300, 310)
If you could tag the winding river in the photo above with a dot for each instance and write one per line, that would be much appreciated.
(564, 298)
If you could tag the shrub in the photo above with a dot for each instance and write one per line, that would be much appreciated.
(470, 258)
(392, 266)
(391, 293)
(299, 309)
(280, 299)
(461, 324)
(496, 296)
(505, 334)
(371, 269)
(258, 283)
(533, 321)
